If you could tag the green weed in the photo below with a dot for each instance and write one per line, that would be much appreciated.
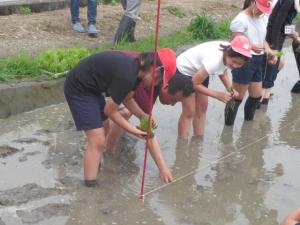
(176, 11)
(24, 10)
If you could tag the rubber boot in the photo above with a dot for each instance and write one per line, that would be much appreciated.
(125, 30)
(231, 111)
(296, 88)
(250, 107)
(90, 183)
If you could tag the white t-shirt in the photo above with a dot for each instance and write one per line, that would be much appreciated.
(254, 28)
(208, 54)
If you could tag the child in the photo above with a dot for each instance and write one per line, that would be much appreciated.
(251, 22)
(114, 74)
(296, 44)
(200, 62)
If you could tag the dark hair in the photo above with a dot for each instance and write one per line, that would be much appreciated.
(247, 3)
(182, 83)
(148, 59)
(231, 53)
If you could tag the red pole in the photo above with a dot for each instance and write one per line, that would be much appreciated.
(151, 99)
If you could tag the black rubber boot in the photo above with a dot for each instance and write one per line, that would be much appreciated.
(250, 107)
(296, 88)
(231, 111)
(125, 30)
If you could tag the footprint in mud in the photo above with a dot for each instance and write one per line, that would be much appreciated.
(43, 213)
(6, 150)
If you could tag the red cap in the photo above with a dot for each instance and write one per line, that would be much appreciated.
(264, 6)
(168, 59)
(242, 45)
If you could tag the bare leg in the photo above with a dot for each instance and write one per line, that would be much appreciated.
(200, 115)
(93, 152)
(186, 117)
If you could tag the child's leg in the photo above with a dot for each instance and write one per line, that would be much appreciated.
(200, 115)
(93, 153)
(187, 114)
(115, 132)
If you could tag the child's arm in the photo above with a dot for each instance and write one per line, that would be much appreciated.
(134, 108)
(111, 110)
(293, 218)
(164, 171)
(227, 84)
(199, 77)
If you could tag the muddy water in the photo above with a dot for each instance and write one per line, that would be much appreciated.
(245, 175)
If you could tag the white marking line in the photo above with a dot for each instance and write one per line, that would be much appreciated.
(215, 162)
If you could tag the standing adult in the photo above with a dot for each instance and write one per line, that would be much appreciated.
(91, 16)
(127, 24)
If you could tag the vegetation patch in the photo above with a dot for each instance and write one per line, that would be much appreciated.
(24, 10)
(176, 11)
(56, 63)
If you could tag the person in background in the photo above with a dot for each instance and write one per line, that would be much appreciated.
(201, 62)
(251, 22)
(278, 29)
(127, 24)
(293, 218)
(91, 16)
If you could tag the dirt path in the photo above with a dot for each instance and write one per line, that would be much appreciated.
(38, 32)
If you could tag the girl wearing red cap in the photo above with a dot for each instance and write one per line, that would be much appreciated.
(113, 74)
(200, 62)
(252, 22)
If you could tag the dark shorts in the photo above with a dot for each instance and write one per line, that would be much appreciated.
(250, 72)
(205, 82)
(270, 72)
(87, 111)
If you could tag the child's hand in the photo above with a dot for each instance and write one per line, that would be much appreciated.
(166, 175)
(224, 97)
(139, 133)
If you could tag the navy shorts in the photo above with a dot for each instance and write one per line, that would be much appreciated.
(87, 111)
(250, 72)
(270, 72)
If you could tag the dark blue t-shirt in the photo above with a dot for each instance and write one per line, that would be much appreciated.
(110, 72)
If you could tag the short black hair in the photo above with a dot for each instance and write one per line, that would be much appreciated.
(180, 82)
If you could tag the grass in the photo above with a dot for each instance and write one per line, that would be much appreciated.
(176, 11)
(55, 63)
(24, 10)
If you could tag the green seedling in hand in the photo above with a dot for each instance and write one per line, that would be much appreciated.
(144, 125)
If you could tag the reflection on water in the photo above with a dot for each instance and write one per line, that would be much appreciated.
(242, 175)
